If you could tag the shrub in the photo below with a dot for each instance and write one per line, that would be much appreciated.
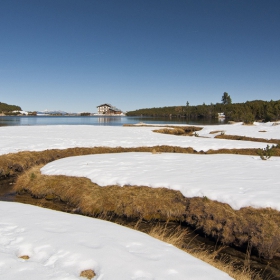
(266, 153)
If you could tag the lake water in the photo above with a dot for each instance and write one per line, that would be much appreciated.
(96, 120)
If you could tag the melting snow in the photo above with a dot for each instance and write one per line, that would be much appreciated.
(61, 245)
(38, 138)
(237, 180)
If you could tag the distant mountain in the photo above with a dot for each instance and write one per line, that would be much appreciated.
(4, 107)
(51, 112)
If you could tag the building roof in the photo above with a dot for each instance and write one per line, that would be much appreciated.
(113, 108)
(105, 104)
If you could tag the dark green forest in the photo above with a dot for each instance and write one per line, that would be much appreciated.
(7, 108)
(247, 112)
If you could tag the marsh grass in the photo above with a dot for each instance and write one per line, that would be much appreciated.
(175, 235)
(257, 227)
(89, 274)
(24, 257)
(184, 127)
(260, 227)
(170, 129)
(181, 238)
(173, 131)
(13, 164)
(216, 131)
(91, 199)
(246, 138)
(182, 130)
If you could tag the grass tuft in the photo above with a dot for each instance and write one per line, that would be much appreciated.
(24, 257)
(246, 138)
(89, 274)
(180, 237)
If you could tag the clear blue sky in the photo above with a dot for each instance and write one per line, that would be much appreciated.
(74, 55)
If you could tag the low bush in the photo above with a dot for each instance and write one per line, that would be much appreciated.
(266, 153)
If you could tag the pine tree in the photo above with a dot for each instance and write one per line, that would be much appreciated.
(226, 99)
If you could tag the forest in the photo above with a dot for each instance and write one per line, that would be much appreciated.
(247, 112)
(7, 108)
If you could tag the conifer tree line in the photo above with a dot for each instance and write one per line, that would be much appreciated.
(247, 112)
(7, 108)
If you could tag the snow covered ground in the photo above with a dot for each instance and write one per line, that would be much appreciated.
(234, 179)
(37, 138)
(62, 245)
(267, 130)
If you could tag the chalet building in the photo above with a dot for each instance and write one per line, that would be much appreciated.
(108, 109)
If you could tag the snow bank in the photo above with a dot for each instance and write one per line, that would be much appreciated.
(38, 138)
(267, 130)
(62, 245)
(237, 180)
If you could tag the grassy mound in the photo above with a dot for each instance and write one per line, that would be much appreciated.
(16, 163)
(170, 129)
(257, 228)
(246, 138)
(181, 130)
(12, 164)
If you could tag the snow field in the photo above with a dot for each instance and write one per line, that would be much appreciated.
(237, 180)
(267, 130)
(61, 245)
(38, 138)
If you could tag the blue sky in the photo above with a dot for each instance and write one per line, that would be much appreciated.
(74, 55)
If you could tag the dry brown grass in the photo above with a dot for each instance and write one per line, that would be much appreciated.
(248, 152)
(259, 227)
(89, 274)
(182, 130)
(180, 237)
(173, 131)
(216, 131)
(24, 257)
(236, 271)
(91, 199)
(16, 163)
(176, 236)
(186, 128)
(245, 138)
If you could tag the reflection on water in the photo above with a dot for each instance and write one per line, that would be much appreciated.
(96, 120)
